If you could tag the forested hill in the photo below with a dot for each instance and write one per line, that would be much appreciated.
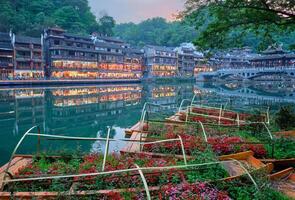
(30, 17)
(155, 31)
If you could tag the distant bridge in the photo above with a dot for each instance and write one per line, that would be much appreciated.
(248, 72)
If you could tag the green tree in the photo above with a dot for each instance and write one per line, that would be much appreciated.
(156, 31)
(223, 23)
(106, 25)
(30, 17)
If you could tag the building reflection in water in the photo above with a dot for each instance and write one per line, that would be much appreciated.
(247, 96)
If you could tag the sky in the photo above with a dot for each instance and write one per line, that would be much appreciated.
(136, 10)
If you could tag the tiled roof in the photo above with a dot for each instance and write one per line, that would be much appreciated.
(160, 48)
(6, 45)
(110, 39)
(273, 56)
(132, 51)
(77, 36)
(107, 45)
(27, 40)
(4, 37)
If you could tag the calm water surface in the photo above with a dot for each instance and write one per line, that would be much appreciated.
(88, 111)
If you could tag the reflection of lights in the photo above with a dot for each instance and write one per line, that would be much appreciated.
(128, 96)
(89, 91)
(231, 85)
(168, 91)
(95, 75)
(28, 93)
(202, 92)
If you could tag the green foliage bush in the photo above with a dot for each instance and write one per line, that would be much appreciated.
(285, 118)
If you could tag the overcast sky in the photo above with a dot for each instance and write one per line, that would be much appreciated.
(136, 10)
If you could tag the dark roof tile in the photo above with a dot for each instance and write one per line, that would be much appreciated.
(27, 40)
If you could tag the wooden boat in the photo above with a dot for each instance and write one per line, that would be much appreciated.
(224, 113)
(280, 163)
(234, 169)
(284, 181)
(181, 118)
(216, 115)
(288, 134)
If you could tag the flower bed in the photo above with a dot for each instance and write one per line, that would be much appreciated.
(207, 119)
(194, 191)
(192, 144)
(228, 114)
(114, 185)
(91, 163)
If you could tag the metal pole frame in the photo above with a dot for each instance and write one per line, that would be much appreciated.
(181, 104)
(106, 151)
(203, 130)
(14, 151)
(146, 187)
(183, 150)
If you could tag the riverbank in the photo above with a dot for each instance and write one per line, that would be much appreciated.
(65, 82)
(94, 81)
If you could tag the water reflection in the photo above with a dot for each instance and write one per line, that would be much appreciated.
(89, 110)
(272, 94)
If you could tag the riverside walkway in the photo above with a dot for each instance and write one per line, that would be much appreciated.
(65, 82)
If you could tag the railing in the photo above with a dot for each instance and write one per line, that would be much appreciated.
(279, 68)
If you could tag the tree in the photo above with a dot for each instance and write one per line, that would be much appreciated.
(106, 25)
(285, 118)
(156, 31)
(222, 23)
(30, 17)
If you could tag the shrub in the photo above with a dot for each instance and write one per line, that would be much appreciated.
(285, 118)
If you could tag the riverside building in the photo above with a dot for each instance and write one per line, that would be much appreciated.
(88, 57)
(160, 62)
(69, 56)
(28, 62)
(274, 56)
(116, 60)
(6, 56)
(188, 59)
(234, 58)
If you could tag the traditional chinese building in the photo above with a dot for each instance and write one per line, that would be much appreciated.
(87, 57)
(160, 62)
(69, 56)
(188, 59)
(274, 56)
(233, 58)
(134, 61)
(28, 62)
(6, 56)
(117, 60)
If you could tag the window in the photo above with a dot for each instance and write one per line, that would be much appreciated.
(71, 53)
(56, 42)
(56, 52)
